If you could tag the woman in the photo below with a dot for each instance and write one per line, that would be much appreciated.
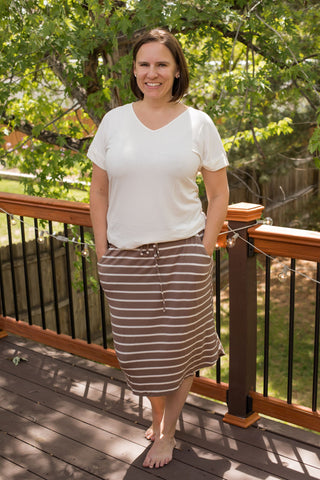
(153, 242)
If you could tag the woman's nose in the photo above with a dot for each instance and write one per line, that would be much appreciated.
(152, 72)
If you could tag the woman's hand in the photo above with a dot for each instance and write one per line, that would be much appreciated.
(208, 249)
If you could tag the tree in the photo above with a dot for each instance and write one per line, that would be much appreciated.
(64, 63)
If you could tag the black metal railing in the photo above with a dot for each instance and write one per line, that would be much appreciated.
(316, 348)
(289, 338)
(48, 281)
(44, 243)
(18, 284)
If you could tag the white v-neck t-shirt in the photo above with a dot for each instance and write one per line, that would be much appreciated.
(153, 195)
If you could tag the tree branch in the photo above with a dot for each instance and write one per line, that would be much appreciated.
(47, 136)
(76, 91)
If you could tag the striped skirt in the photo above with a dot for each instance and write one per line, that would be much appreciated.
(161, 308)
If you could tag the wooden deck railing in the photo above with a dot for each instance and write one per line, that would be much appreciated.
(244, 403)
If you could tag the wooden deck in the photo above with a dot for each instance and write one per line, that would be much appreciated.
(63, 417)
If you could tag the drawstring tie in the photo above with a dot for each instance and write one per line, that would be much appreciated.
(145, 249)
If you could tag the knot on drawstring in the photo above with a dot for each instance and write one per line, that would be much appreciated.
(145, 250)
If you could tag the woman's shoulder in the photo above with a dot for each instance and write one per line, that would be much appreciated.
(200, 120)
(116, 113)
(199, 115)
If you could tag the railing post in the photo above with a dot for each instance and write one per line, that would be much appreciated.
(243, 317)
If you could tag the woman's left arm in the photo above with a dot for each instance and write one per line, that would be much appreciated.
(217, 190)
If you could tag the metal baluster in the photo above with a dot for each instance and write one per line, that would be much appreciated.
(85, 288)
(69, 283)
(13, 278)
(2, 298)
(54, 279)
(103, 319)
(43, 313)
(291, 330)
(266, 328)
(25, 266)
(316, 344)
(218, 308)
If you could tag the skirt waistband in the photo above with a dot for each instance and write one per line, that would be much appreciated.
(156, 245)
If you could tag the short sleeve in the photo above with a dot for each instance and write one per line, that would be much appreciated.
(98, 147)
(212, 153)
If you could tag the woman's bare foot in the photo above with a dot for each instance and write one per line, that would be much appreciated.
(153, 431)
(160, 454)
(149, 434)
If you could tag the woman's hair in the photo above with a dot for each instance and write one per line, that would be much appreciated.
(181, 84)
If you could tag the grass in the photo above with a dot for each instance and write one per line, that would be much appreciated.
(13, 186)
(10, 186)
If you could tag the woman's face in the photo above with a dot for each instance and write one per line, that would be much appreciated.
(155, 70)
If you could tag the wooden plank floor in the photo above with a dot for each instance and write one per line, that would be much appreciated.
(63, 417)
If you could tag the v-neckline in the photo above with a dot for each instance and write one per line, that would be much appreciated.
(163, 126)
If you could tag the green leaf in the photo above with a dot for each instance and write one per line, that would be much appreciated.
(16, 360)
(314, 144)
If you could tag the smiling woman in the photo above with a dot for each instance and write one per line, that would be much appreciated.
(155, 70)
(153, 241)
(172, 53)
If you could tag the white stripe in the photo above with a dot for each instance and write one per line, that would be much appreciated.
(157, 309)
(165, 265)
(191, 366)
(146, 292)
(171, 335)
(166, 367)
(162, 342)
(123, 300)
(163, 316)
(150, 274)
(213, 343)
(156, 283)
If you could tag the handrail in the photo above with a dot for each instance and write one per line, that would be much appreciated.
(286, 242)
(64, 211)
(74, 212)
(266, 239)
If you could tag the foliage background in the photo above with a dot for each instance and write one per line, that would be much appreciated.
(254, 68)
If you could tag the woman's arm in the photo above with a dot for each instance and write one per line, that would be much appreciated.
(217, 190)
(99, 208)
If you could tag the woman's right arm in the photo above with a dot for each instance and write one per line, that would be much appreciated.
(99, 208)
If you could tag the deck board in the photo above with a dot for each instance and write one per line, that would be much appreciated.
(65, 417)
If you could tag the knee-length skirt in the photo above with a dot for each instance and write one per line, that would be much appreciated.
(161, 308)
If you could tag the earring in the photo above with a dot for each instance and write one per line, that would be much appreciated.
(178, 75)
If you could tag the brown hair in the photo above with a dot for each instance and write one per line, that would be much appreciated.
(181, 84)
